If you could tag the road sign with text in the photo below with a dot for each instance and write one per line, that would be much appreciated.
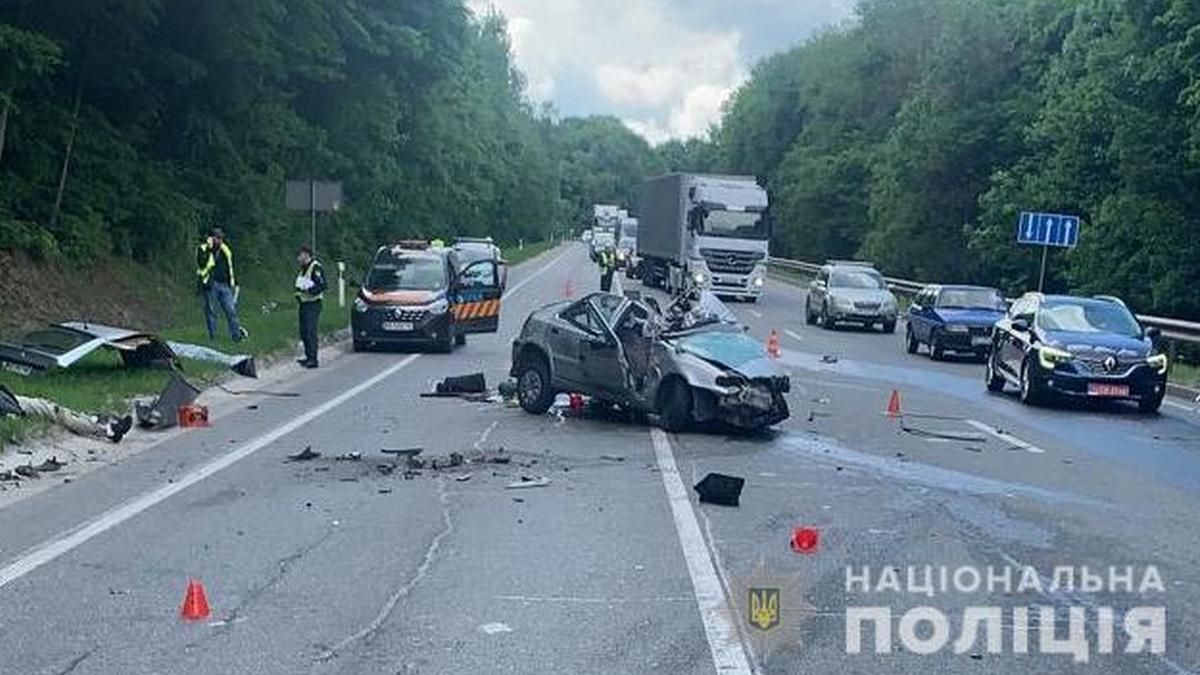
(1048, 229)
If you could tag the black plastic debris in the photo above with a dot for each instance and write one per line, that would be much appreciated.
(403, 452)
(719, 489)
(27, 471)
(507, 389)
(829, 358)
(305, 455)
(8, 403)
(350, 457)
(163, 413)
(50, 465)
(474, 383)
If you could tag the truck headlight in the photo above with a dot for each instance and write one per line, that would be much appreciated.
(1159, 362)
(360, 305)
(1052, 356)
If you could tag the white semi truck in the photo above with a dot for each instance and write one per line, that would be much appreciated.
(711, 231)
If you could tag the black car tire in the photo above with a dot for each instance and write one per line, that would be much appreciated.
(445, 345)
(992, 377)
(910, 341)
(809, 319)
(935, 347)
(460, 339)
(675, 405)
(534, 392)
(1150, 406)
(1031, 393)
(889, 327)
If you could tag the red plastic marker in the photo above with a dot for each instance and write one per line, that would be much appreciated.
(195, 602)
(806, 540)
(893, 409)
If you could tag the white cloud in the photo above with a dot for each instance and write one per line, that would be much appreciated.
(663, 66)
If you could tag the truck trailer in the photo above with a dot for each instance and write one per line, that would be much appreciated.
(704, 230)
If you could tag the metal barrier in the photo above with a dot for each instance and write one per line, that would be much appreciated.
(1174, 330)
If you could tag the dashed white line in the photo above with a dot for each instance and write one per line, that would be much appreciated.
(1006, 437)
(72, 539)
(757, 314)
(794, 335)
(728, 654)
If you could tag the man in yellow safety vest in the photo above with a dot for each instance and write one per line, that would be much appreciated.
(216, 283)
(310, 291)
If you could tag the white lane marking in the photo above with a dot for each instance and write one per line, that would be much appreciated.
(110, 519)
(729, 656)
(494, 628)
(757, 314)
(1180, 406)
(1006, 437)
(72, 539)
(794, 335)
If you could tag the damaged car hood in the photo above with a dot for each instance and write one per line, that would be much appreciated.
(728, 349)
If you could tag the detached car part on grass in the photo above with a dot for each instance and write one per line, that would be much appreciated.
(692, 363)
(62, 345)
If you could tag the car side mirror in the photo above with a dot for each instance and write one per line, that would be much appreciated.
(1153, 333)
(1020, 325)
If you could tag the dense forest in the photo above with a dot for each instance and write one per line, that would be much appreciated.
(916, 134)
(913, 135)
(129, 127)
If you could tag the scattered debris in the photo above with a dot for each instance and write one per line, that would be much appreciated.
(349, 457)
(27, 471)
(507, 389)
(806, 540)
(163, 412)
(829, 358)
(720, 489)
(385, 469)
(50, 465)
(494, 628)
(518, 500)
(462, 477)
(612, 458)
(463, 384)
(305, 455)
(406, 452)
(528, 482)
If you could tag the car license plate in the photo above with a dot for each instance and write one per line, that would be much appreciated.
(1103, 390)
(398, 326)
(980, 341)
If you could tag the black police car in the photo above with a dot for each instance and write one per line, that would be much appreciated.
(414, 294)
(1084, 348)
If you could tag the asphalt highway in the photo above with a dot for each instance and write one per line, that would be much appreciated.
(338, 566)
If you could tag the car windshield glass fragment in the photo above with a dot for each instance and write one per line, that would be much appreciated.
(735, 224)
(970, 298)
(1088, 317)
(407, 274)
(856, 279)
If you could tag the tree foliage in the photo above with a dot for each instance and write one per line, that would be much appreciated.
(916, 134)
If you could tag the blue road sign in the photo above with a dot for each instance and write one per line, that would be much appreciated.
(1048, 229)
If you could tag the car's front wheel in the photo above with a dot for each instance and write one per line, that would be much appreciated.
(935, 347)
(889, 327)
(991, 376)
(675, 405)
(534, 392)
(910, 341)
(1031, 391)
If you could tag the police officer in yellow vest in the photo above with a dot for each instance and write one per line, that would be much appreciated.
(310, 291)
(216, 283)
(608, 264)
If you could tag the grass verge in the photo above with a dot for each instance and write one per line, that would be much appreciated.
(100, 383)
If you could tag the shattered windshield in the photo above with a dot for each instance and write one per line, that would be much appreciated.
(732, 348)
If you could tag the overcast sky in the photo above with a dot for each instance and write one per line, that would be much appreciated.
(664, 66)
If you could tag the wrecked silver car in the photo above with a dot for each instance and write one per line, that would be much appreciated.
(691, 363)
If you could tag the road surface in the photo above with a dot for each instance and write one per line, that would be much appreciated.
(334, 567)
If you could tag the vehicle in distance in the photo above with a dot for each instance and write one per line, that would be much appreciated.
(1072, 347)
(416, 295)
(706, 231)
(473, 249)
(955, 319)
(627, 245)
(692, 364)
(850, 292)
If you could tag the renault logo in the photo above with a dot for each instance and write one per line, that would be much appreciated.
(1110, 364)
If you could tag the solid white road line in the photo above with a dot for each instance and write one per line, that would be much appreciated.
(70, 540)
(1180, 406)
(794, 335)
(729, 656)
(1006, 437)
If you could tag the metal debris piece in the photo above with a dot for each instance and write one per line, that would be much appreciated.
(50, 465)
(462, 477)
(405, 452)
(305, 455)
(27, 471)
(385, 469)
(350, 457)
(829, 358)
(612, 458)
(528, 482)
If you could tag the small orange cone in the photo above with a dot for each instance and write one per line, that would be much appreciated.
(773, 345)
(569, 289)
(893, 409)
(195, 602)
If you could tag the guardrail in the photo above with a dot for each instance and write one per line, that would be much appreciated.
(1174, 330)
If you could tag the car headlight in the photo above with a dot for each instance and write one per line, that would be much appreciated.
(758, 282)
(957, 329)
(699, 278)
(360, 305)
(1052, 356)
(439, 307)
(889, 304)
(1159, 362)
(843, 303)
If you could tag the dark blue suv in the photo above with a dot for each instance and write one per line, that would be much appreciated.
(1085, 348)
(954, 319)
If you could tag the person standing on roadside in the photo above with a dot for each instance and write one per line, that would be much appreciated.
(310, 291)
(608, 265)
(218, 285)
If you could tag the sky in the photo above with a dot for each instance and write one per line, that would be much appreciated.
(663, 66)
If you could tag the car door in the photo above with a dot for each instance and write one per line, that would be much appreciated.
(918, 316)
(1014, 344)
(475, 297)
(603, 362)
(577, 326)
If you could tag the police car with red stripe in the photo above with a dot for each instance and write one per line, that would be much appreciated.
(416, 294)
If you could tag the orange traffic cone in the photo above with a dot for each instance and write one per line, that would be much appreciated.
(893, 408)
(773, 345)
(569, 290)
(195, 602)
